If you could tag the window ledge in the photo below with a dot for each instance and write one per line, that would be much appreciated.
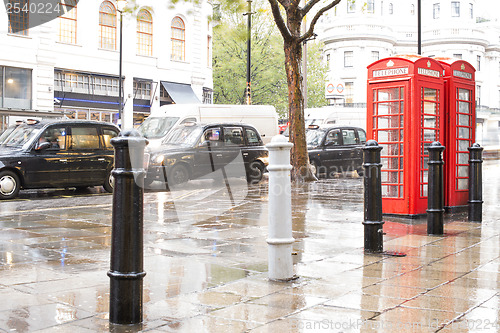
(66, 43)
(21, 36)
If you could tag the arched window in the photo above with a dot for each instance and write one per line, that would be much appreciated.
(178, 39)
(107, 26)
(144, 33)
(391, 9)
(67, 22)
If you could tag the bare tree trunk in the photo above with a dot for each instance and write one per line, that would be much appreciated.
(299, 156)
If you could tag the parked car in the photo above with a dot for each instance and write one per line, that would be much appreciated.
(335, 149)
(192, 151)
(157, 126)
(57, 153)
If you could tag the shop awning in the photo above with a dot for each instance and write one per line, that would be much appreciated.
(180, 93)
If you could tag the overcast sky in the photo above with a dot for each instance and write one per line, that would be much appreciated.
(488, 9)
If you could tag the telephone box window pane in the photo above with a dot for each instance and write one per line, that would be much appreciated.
(393, 149)
(390, 191)
(464, 94)
(463, 107)
(463, 120)
(463, 184)
(423, 190)
(388, 94)
(429, 121)
(430, 94)
(463, 145)
(463, 171)
(384, 176)
(383, 122)
(463, 158)
(393, 165)
(430, 135)
(463, 133)
(430, 107)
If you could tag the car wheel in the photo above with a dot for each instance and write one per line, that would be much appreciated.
(9, 185)
(109, 184)
(255, 172)
(177, 175)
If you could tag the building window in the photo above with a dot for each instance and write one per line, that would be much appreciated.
(144, 33)
(142, 89)
(391, 9)
(207, 95)
(107, 26)
(348, 58)
(412, 9)
(15, 87)
(478, 63)
(375, 56)
(67, 22)
(370, 6)
(457, 55)
(381, 8)
(328, 61)
(178, 39)
(351, 6)
(85, 83)
(478, 95)
(349, 92)
(436, 9)
(471, 10)
(18, 19)
(455, 9)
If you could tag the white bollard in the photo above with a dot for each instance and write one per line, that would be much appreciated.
(280, 239)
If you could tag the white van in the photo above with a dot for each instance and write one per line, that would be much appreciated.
(263, 117)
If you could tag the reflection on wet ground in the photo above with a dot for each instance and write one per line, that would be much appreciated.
(206, 261)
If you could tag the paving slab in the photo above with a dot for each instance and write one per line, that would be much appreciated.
(206, 262)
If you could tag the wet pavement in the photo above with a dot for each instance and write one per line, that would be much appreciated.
(205, 255)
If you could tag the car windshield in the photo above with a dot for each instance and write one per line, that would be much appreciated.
(183, 135)
(21, 135)
(7, 132)
(314, 136)
(157, 127)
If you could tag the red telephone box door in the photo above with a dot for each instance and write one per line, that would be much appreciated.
(387, 128)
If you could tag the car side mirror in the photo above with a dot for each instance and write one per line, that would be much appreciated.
(42, 146)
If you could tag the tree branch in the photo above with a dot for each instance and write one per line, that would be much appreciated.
(280, 23)
(315, 19)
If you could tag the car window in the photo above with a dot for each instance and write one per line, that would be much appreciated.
(362, 136)
(84, 138)
(107, 135)
(252, 137)
(333, 138)
(233, 136)
(213, 135)
(349, 136)
(56, 136)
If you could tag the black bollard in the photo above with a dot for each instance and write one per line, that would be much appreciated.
(475, 183)
(435, 190)
(126, 273)
(373, 223)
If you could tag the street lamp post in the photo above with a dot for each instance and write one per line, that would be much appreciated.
(249, 48)
(121, 4)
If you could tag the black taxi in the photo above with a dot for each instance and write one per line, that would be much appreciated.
(192, 151)
(335, 149)
(56, 153)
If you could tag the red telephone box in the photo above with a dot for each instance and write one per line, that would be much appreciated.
(460, 129)
(405, 115)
